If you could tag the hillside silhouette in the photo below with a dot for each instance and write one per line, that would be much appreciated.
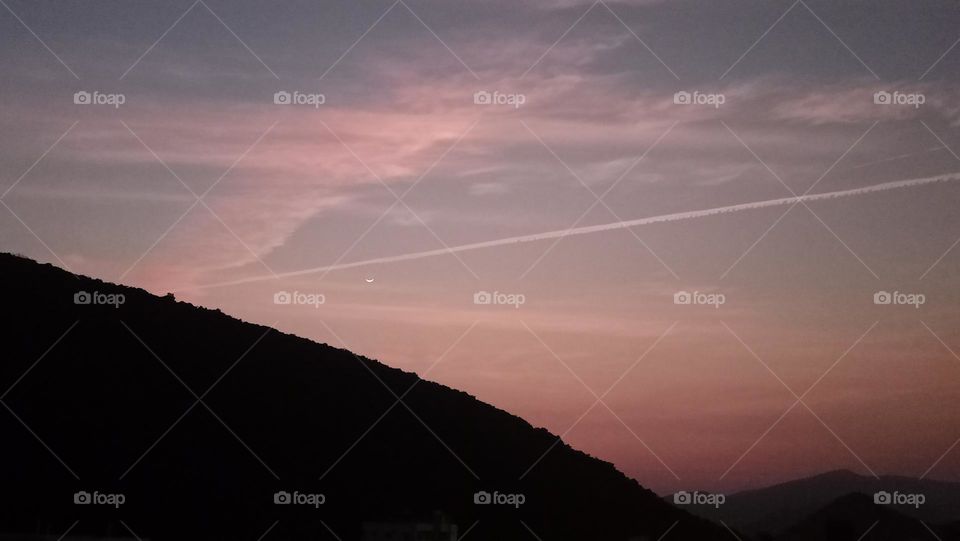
(198, 420)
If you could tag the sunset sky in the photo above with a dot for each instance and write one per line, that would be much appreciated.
(200, 184)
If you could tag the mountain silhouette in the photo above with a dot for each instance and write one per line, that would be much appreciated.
(855, 516)
(202, 423)
(771, 509)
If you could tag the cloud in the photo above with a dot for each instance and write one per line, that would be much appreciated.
(481, 189)
(326, 160)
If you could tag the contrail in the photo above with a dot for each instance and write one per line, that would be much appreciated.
(895, 158)
(894, 185)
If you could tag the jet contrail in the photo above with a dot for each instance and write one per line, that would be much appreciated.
(894, 185)
(895, 158)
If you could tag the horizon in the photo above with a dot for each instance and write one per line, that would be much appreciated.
(823, 473)
(698, 241)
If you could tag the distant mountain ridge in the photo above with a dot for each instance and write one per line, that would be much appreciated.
(201, 421)
(772, 509)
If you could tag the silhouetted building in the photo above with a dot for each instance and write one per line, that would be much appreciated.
(438, 528)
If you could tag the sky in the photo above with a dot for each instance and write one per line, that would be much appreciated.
(788, 167)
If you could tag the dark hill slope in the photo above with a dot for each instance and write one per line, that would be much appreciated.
(855, 516)
(119, 414)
